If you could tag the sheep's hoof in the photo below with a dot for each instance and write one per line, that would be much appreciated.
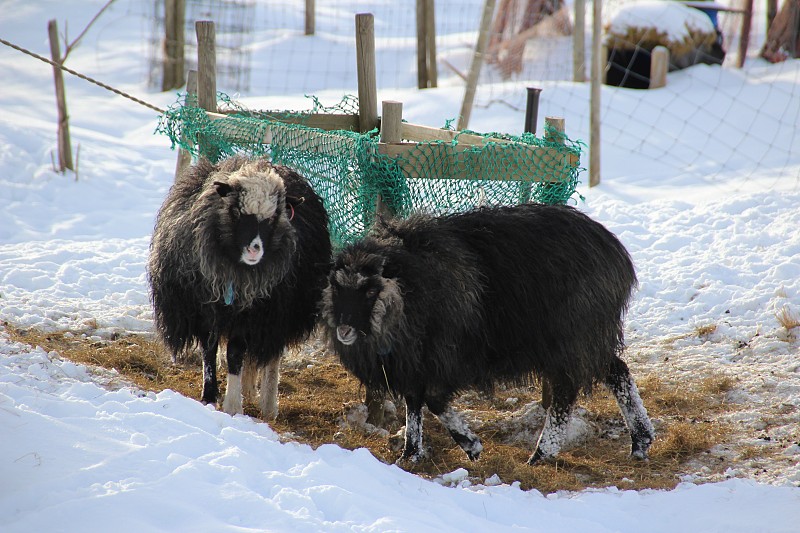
(410, 459)
(640, 455)
(407, 462)
(539, 458)
(639, 449)
(473, 450)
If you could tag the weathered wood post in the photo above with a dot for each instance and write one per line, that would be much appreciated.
(391, 127)
(64, 142)
(368, 120)
(427, 75)
(744, 37)
(311, 17)
(659, 64)
(475, 66)
(365, 67)
(554, 132)
(207, 78)
(531, 118)
(174, 40)
(184, 157)
(579, 43)
(598, 68)
(772, 10)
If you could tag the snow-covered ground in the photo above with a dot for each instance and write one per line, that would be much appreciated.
(82, 452)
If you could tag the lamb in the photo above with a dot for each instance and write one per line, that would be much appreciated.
(239, 255)
(431, 306)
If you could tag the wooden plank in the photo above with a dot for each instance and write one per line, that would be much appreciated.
(322, 121)
(507, 165)
(300, 138)
(415, 132)
(512, 161)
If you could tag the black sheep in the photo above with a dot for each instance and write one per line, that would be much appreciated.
(239, 255)
(431, 306)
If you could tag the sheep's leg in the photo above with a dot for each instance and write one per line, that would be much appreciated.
(250, 376)
(413, 442)
(620, 382)
(210, 388)
(269, 389)
(232, 404)
(459, 430)
(555, 424)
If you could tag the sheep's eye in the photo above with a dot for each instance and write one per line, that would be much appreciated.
(372, 292)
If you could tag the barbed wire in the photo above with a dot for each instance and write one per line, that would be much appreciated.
(83, 77)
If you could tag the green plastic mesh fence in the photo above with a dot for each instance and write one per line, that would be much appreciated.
(354, 173)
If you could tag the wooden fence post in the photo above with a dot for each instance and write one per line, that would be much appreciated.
(391, 127)
(64, 142)
(475, 66)
(311, 17)
(184, 157)
(744, 38)
(368, 120)
(427, 76)
(598, 64)
(207, 78)
(174, 40)
(659, 64)
(365, 67)
(772, 10)
(579, 43)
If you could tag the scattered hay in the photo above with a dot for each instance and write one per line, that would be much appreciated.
(320, 402)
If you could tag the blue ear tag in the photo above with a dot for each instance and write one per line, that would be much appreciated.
(229, 293)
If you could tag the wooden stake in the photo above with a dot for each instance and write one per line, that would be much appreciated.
(365, 67)
(311, 17)
(744, 38)
(184, 157)
(579, 43)
(477, 62)
(64, 143)
(430, 43)
(207, 78)
(659, 64)
(174, 40)
(598, 62)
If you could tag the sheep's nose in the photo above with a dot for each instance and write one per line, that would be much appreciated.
(346, 334)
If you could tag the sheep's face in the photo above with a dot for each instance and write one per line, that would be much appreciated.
(253, 215)
(359, 302)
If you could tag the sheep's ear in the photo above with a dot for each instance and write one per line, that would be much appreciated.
(222, 188)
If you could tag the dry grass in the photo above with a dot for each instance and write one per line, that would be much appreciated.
(315, 395)
(787, 318)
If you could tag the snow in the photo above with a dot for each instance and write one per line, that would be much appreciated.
(83, 451)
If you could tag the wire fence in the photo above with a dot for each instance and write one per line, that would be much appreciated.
(681, 127)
